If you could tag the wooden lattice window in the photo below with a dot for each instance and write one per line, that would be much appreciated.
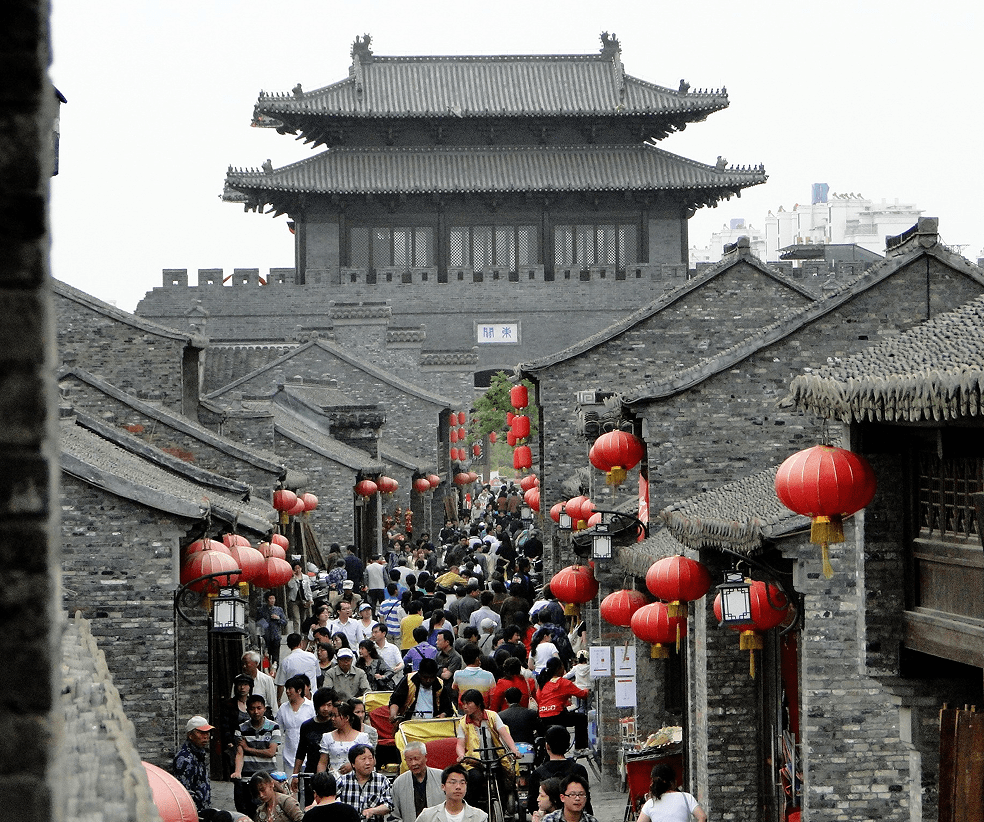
(613, 246)
(488, 246)
(387, 247)
(946, 507)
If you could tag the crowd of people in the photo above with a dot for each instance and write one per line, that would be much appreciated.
(457, 630)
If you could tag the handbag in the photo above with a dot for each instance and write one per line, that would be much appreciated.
(533, 704)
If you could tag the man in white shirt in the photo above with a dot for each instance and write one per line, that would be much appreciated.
(454, 783)
(345, 624)
(376, 580)
(388, 652)
(295, 710)
(296, 662)
(366, 621)
(263, 684)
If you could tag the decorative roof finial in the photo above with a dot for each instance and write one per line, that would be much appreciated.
(609, 44)
(360, 48)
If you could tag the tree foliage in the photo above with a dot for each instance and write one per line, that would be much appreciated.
(490, 409)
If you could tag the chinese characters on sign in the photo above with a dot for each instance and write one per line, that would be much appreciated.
(497, 332)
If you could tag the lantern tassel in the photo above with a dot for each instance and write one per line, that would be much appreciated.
(284, 518)
(676, 609)
(751, 664)
(678, 636)
(828, 569)
(659, 652)
(751, 641)
(827, 530)
(616, 475)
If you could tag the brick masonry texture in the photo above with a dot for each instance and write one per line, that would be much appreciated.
(119, 569)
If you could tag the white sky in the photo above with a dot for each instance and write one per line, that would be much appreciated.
(877, 98)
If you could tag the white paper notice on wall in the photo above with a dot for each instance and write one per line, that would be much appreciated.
(600, 659)
(625, 692)
(625, 661)
(507, 333)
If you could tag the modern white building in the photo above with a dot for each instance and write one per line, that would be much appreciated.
(829, 218)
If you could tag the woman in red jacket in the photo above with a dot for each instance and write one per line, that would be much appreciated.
(552, 699)
(512, 678)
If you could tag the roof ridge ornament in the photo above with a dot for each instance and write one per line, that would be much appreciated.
(611, 49)
(361, 55)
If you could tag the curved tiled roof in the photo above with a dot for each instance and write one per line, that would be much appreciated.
(492, 169)
(295, 428)
(736, 516)
(106, 465)
(491, 86)
(933, 371)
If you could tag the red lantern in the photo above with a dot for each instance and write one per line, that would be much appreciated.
(209, 562)
(509, 417)
(527, 482)
(616, 453)
(272, 549)
(493, 437)
(522, 458)
(229, 540)
(284, 500)
(518, 396)
(310, 501)
(574, 585)
(532, 498)
(653, 623)
(768, 606)
(556, 510)
(387, 485)
(299, 508)
(421, 485)
(434, 480)
(579, 509)
(618, 607)
(366, 488)
(521, 426)
(677, 580)
(825, 484)
(462, 479)
(250, 560)
(594, 519)
(453, 435)
(462, 434)
(462, 418)
(276, 572)
(281, 540)
(476, 450)
(205, 544)
(511, 439)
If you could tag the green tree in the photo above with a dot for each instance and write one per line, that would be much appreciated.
(491, 408)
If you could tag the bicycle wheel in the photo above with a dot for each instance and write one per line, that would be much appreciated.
(495, 801)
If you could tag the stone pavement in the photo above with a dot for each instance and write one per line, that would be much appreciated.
(608, 802)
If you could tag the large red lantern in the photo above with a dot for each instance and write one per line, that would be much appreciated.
(276, 572)
(493, 436)
(272, 549)
(462, 434)
(476, 450)
(462, 479)
(529, 481)
(462, 419)
(434, 480)
(826, 484)
(250, 560)
(511, 439)
(387, 485)
(768, 607)
(532, 498)
(521, 426)
(299, 508)
(229, 540)
(519, 396)
(616, 453)
(556, 510)
(677, 580)
(653, 624)
(201, 563)
(284, 500)
(281, 540)
(206, 544)
(522, 458)
(310, 502)
(509, 417)
(453, 435)
(366, 488)
(574, 585)
(618, 607)
(421, 485)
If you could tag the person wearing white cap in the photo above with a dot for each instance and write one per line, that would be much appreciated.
(366, 621)
(191, 769)
(347, 680)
